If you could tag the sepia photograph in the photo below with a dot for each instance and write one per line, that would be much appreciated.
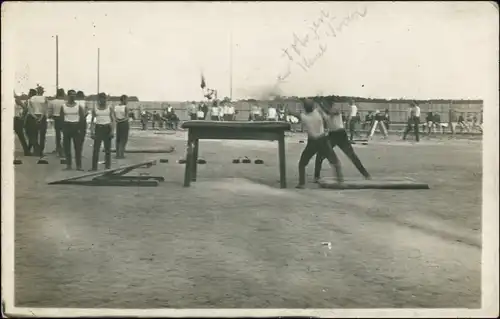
(234, 159)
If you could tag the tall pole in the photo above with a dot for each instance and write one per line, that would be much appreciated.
(231, 64)
(98, 67)
(57, 63)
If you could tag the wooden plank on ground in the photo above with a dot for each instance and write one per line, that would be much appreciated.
(372, 184)
(165, 132)
(147, 151)
(106, 171)
(113, 182)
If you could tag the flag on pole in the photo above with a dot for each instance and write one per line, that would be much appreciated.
(203, 84)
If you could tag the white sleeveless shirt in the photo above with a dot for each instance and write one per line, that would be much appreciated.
(215, 111)
(56, 105)
(120, 113)
(102, 117)
(38, 105)
(271, 113)
(71, 113)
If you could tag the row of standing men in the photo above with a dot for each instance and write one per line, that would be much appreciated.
(70, 125)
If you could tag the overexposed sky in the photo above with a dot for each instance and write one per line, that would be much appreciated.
(157, 50)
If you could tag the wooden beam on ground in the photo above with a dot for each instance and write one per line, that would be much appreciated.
(111, 182)
(130, 178)
(148, 151)
(165, 133)
(372, 184)
(104, 172)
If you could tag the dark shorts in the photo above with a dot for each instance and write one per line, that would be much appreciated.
(338, 137)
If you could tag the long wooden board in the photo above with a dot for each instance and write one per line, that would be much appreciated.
(372, 184)
(147, 151)
(165, 133)
(113, 182)
(106, 171)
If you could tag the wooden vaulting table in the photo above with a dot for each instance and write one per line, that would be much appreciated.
(234, 130)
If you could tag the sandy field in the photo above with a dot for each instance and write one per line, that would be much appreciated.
(234, 239)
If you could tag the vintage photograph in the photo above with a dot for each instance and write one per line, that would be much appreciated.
(249, 155)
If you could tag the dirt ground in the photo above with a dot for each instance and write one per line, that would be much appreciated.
(235, 240)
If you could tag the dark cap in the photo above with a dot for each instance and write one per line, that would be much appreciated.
(102, 94)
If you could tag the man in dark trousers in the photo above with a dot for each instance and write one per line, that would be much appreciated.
(155, 119)
(192, 109)
(429, 120)
(413, 121)
(353, 119)
(144, 120)
(204, 108)
(387, 119)
(313, 120)
(73, 116)
(122, 126)
(102, 130)
(337, 135)
(54, 111)
(37, 120)
(19, 117)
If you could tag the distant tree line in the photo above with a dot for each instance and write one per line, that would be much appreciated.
(346, 99)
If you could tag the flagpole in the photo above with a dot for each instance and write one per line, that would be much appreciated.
(98, 67)
(57, 63)
(231, 64)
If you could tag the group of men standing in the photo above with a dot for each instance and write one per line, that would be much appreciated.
(166, 118)
(213, 110)
(374, 117)
(70, 124)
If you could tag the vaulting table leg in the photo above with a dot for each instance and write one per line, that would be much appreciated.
(282, 159)
(195, 160)
(189, 161)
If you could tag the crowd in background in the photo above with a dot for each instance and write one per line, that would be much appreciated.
(224, 110)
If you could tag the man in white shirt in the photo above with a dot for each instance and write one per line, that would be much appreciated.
(72, 114)
(353, 119)
(281, 113)
(229, 112)
(272, 115)
(200, 114)
(256, 113)
(192, 111)
(338, 137)
(122, 126)
(413, 121)
(221, 110)
(80, 100)
(54, 112)
(37, 120)
(215, 111)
